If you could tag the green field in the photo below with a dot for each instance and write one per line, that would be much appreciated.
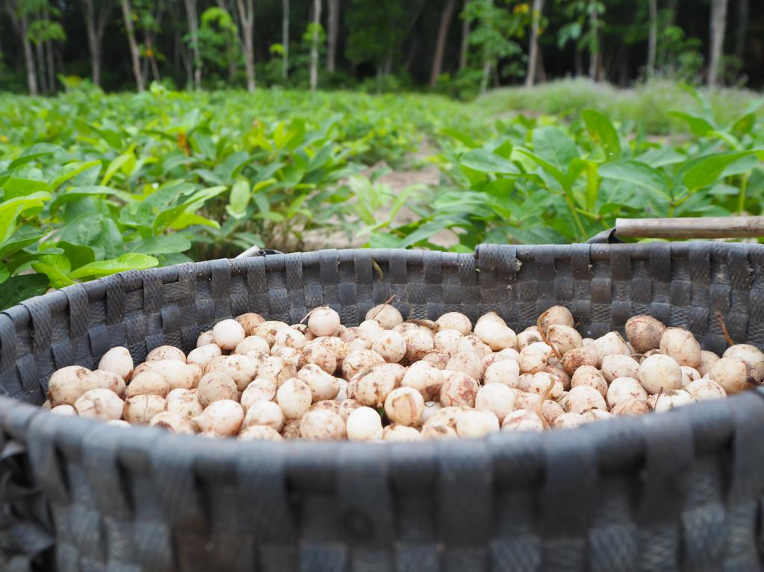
(95, 184)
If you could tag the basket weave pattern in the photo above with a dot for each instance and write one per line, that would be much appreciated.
(676, 491)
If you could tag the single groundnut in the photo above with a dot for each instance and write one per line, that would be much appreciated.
(322, 425)
(261, 433)
(585, 355)
(459, 389)
(328, 404)
(141, 408)
(373, 386)
(425, 378)
(242, 370)
(522, 420)
(436, 359)
(222, 418)
(660, 373)
(294, 398)
(324, 322)
(707, 360)
(506, 372)
(508, 354)
(644, 333)
(205, 338)
(672, 399)
(596, 415)
(110, 380)
(347, 407)
(583, 398)
(447, 341)
(66, 410)
(474, 423)
(176, 373)
(67, 384)
(472, 344)
(165, 353)
(184, 402)
(564, 338)
(265, 413)
(117, 360)
(680, 345)
(631, 407)
(118, 423)
(648, 354)
(203, 355)
(148, 382)
(704, 389)
(99, 404)
(216, 386)
(370, 329)
(364, 424)
(258, 390)
(751, 355)
(497, 398)
(171, 422)
(290, 338)
(291, 430)
(442, 423)
(466, 362)
(557, 315)
(569, 421)
(496, 335)
(250, 322)
(358, 361)
(322, 385)
(387, 315)
(268, 330)
(733, 374)
(390, 345)
(624, 388)
(526, 400)
(535, 357)
(275, 369)
(551, 410)
(404, 406)
(454, 321)
(591, 376)
(527, 337)
(418, 343)
(611, 344)
(400, 434)
(689, 374)
(228, 334)
(290, 355)
(544, 384)
(614, 366)
(252, 344)
(394, 369)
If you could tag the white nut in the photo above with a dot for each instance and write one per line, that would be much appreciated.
(322, 425)
(294, 398)
(99, 404)
(117, 360)
(222, 418)
(624, 388)
(474, 423)
(681, 345)
(404, 406)
(660, 373)
(364, 424)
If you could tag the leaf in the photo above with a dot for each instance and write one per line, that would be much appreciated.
(71, 173)
(460, 136)
(603, 133)
(238, 199)
(76, 193)
(4, 273)
(558, 175)
(124, 162)
(11, 209)
(698, 124)
(97, 231)
(554, 146)
(22, 240)
(19, 288)
(57, 278)
(14, 187)
(636, 173)
(486, 162)
(167, 217)
(165, 244)
(34, 152)
(130, 261)
(77, 254)
(705, 171)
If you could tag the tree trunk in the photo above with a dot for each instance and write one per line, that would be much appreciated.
(465, 47)
(535, 55)
(93, 44)
(333, 31)
(742, 28)
(51, 66)
(594, 48)
(41, 77)
(193, 26)
(718, 23)
(314, 45)
(134, 54)
(285, 38)
(247, 17)
(440, 45)
(486, 65)
(652, 43)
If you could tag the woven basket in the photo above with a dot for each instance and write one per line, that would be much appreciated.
(674, 491)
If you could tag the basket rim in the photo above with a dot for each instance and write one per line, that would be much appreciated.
(153, 442)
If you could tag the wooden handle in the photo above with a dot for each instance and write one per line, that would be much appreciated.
(711, 227)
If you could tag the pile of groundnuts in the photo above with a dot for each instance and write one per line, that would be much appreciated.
(394, 380)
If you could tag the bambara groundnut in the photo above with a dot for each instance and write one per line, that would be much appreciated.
(67, 384)
(250, 322)
(148, 382)
(322, 385)
(99, 404)
(496, 335)
(585, 355)
(387, 315)
(260, 433)
(184, 402)
(252, 344)
(583, 398)
(390, 345)
(425, 378)
(680, 345)
(401, 434)
(265, 413)
(203, 355)
(551, 410)
(614, 366)
(733, 374)
(418, 343)
(660, 373)
(110, 380)
(631, 407)
(644, 333)
(455, 321)
(228, 334)
(324, 322)
(751, 355)
(66, 410)
(322, 425)
(166, 352)
(707, 360)
(436, 359)
(222, 418)
(442, 423)
(171, 422)
(557, 315)
(364, 424)
(672, 399)
(268, 330)
(689, 374)
(704, 389)
(294, 398)
(141, 408)
(257, 390)
(459, 389)
(535, 357)
(358, 361)
(216, 386)
(447, 341)
(497, 398)
(473, 344)
(564, 338)
(474, 423)
(596, 415)
(506, 372)
(117, 360)
(522, 420)
(591, 376)
(527, 337)
(373, 386)
(569, 420)
(466, 362)
(205, 338)
(404, 406)
(178, 374)
(624, 388)
(611, 344)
